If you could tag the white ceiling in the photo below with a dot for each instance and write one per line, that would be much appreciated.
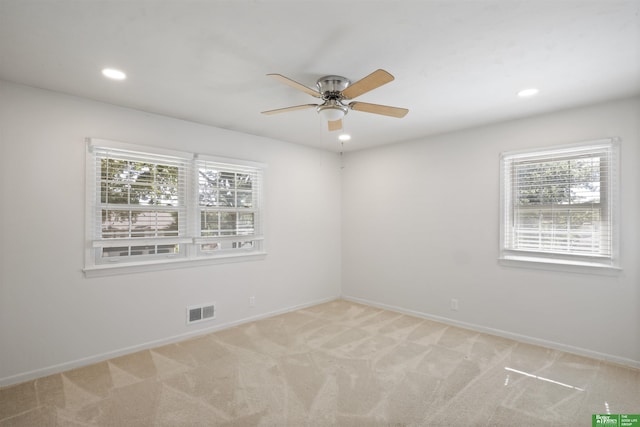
(457, 64)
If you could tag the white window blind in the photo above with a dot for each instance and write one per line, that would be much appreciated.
(560, 203)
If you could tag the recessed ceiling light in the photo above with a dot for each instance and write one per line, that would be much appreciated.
(114, 74)
(525, 93)
(344, 137)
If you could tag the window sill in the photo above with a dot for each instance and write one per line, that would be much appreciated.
(557, 264)
(170, 264)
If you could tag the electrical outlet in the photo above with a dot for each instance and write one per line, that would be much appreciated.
(252, 301)
(454, 304)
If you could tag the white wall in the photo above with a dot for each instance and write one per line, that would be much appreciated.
(53, 318)
(421, 226)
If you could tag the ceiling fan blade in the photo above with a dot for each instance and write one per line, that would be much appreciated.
(294, 84)
(294, 108)
(364, 85)
(335, 125)
(385, 110)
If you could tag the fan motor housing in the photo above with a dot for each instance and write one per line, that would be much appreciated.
(330, 85)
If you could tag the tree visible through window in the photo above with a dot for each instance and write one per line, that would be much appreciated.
(559, 203)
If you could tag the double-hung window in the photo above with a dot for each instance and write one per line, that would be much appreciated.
(150, 206)
(228, 208)
(558, 205)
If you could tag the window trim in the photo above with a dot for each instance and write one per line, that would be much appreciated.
(190, 256)
(561, 261)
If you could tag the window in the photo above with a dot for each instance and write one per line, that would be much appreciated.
(150, 207)
(559, 205)
(228, 211)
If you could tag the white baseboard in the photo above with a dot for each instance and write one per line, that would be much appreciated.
(504, 334)
(54, 369)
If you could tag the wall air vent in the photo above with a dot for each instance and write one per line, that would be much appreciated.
(200, 313)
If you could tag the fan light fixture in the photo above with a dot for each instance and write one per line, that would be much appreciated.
(332, 110)
(331, 114)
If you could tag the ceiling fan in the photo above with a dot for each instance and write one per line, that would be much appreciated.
(333, 90)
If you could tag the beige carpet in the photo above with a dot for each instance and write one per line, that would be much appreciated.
(338, 363)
